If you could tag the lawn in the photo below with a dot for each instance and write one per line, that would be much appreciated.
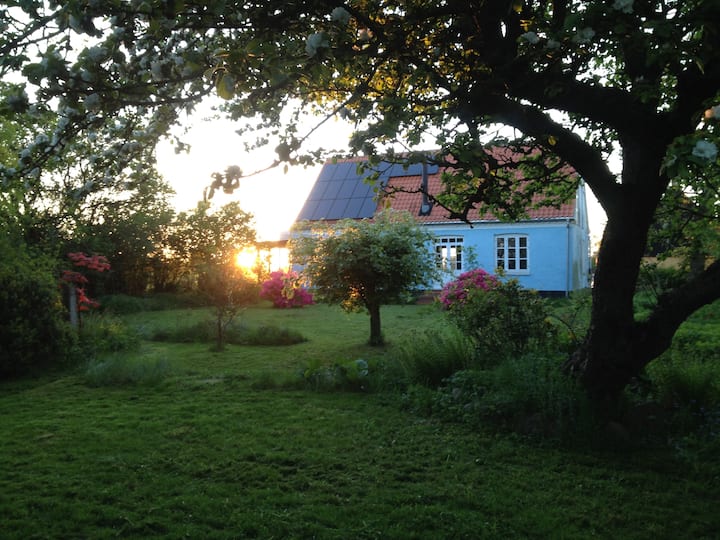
(211, 452)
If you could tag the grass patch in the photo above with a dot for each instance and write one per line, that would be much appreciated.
(104, 333)
(428, 358)
(123, 369)
(204, 331)
(222, 449)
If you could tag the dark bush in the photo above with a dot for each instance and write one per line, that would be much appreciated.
(504, 320)
(528, 394)
(34, 334)
(123, 304)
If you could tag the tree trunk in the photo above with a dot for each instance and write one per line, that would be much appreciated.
(220, 337)
(617, 347)
(603, 362)
(376, 338)
(73, 306)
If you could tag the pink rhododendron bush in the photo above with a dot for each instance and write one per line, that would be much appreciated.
(283, 289)
(503, 318)
(456, 292)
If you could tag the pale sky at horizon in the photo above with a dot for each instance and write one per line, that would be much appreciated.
(273, 197)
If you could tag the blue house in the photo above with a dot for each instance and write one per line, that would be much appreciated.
(549, 251)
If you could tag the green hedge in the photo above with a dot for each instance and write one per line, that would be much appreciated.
(33, 332)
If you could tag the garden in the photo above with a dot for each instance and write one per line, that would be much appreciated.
(151, 387)
(310, 432)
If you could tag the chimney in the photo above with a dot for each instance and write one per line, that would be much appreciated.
(426, 205)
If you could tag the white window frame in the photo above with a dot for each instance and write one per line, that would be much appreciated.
(512, 253)
(449, 253)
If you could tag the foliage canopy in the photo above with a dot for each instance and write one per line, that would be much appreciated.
(366, 264)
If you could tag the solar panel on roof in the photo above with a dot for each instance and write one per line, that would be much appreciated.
(308, 210)
(323, 210)
(347, 188)
(354, 208)
(362, 190)
(341, 192)
(337, 210)
(368, 208)
(318, 191)
(332, 190)
(326, 173)
(343, 170)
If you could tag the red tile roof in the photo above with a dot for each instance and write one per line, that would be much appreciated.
(402, 200)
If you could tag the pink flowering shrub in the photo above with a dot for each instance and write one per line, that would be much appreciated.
(456, 292)
(283, 289)
(77, 280)
(503, 319)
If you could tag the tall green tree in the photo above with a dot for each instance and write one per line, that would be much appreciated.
(68, 199)
(208, 243)
(366, 264)
(580, 81)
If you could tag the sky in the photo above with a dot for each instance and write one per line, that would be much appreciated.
(273, 197)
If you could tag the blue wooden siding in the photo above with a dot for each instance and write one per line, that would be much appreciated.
(555, 252)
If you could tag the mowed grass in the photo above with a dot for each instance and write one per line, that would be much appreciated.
(206, 453)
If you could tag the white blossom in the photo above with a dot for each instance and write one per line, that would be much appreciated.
(531, 37)
(626, 6)
(314, 42)
(340, 15)
(92, 102)
(584, 35)
(156, 69)
(705, 149)
(552, 44)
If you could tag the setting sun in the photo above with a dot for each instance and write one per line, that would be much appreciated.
(265, 257)
(247, 259)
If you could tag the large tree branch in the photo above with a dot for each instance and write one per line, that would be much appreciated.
(654, 335)
(586, 159)
(611, 106)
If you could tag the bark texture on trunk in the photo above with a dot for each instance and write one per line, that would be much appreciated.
(376, 338)
(604, 362)
(617, 347)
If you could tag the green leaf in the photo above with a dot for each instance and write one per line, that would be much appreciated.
(225, 85)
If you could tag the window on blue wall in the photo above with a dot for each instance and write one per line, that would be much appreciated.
(449, 253)
(512, 253)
